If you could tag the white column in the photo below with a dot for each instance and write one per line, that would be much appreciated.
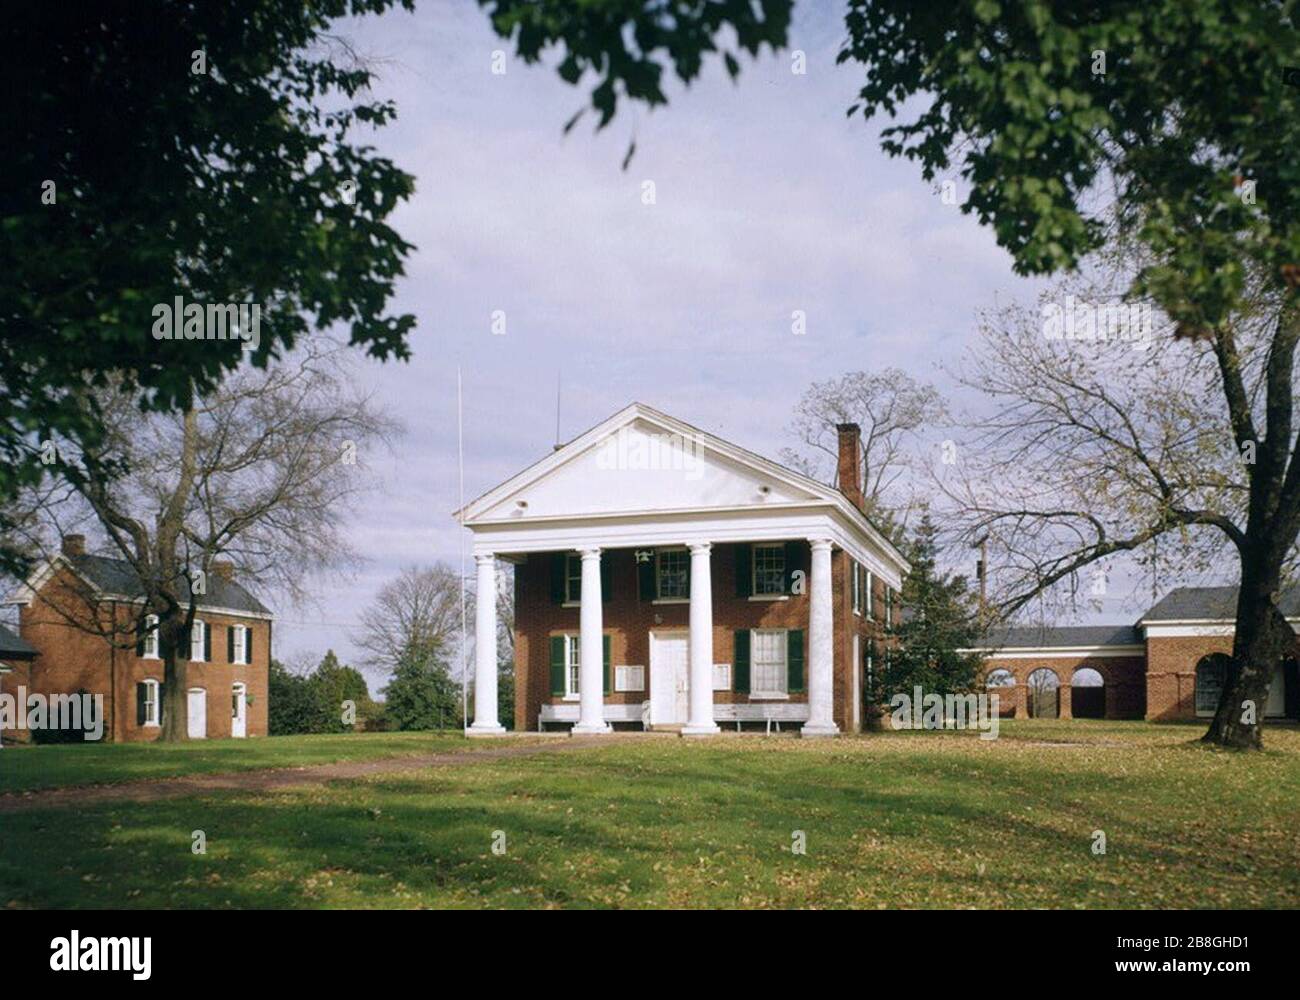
(821, 680)
(591, 650)
(485, 649)
(700, 722)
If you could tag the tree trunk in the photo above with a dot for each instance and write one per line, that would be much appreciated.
(1263, 636)
(175, 716)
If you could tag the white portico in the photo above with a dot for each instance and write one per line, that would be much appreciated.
(647, 484)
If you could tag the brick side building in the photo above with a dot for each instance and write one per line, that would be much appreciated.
(1170, 665)
(227, 671)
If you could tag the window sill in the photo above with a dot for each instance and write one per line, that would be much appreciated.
(151, 725)
(151, 656)
(772, 696)
(769, 597)
(671, 600)
(571, 604)
(571, 697)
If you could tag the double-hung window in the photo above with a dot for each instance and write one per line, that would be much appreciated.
(769, 570)
(572, 662)
(572, 578)
(672, 573)
(769, 667)
(198, 642)
(239, 636)
(149, 692)
(150, 643)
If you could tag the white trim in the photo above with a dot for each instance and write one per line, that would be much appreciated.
(655, 528)
(1183, 631)
(1055, 652)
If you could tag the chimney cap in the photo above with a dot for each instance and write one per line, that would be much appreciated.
(849, 428)
(73, 545)
(224, 568)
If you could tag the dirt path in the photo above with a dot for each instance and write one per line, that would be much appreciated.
(153, 789)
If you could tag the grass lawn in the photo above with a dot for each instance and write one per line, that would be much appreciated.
(910, 819)
(27, 768)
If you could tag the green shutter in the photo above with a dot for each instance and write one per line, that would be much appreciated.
(230, 643)
(207, 642)
(140, 628)
(794, 561)
(606, 576)
(139, 704)
(605, 645)
(558, 665)
(744, 570)
(740, 666)
(794, 659)
(558, 560)
(162, 702)
(645, 578)
(248, 643)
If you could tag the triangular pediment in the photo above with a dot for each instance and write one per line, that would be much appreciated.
(643, 461)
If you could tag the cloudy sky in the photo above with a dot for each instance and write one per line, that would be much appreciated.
(767, 201)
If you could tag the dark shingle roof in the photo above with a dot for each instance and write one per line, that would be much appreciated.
(15, 646)
(116, 576)
(1034, 636)
(1186, 603)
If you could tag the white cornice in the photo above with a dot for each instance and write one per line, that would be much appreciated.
(854, 519)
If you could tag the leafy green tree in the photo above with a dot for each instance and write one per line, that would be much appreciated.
(940, 618)
(421, 694)
(159, 149)
(332, 684)
(291, 706)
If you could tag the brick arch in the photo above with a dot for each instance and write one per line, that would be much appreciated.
(1106, 676)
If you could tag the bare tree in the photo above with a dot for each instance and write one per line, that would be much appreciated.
(1100, 448)
(418, 612)
(892, 408)
(262, 473)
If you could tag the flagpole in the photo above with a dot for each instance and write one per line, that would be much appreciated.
(460, 517)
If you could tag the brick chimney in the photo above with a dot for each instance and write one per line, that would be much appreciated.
(224, 568)
(74, 545)
(849, 468)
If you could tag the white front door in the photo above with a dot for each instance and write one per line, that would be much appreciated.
(197, 710)
(238, 711)
(669, 678)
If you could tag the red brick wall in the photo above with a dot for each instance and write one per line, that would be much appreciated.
(628, 621)
(1124, 677)
(71, 659)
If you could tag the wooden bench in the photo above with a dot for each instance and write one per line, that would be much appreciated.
(568, 712)
(771, 712)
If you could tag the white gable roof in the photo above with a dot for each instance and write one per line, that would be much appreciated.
(642, 461)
